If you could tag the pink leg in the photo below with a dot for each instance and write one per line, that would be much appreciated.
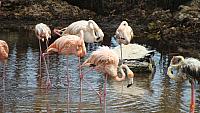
(4, 75)
(68, 87)
(105, 81)
(48, 84)
(98, 93)
(47, 54)
(40, 71)
(81, 82)
(192, 104)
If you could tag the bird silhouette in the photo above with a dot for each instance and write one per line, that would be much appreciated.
(187, 68)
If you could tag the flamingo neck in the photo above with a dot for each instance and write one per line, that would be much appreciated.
(117, 78)
(169, 73)
(129, 74)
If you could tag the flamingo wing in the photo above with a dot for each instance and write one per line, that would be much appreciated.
(102, 56)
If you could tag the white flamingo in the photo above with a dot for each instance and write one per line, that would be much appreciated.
(124, 35)
(43, 32)
(187, 68)
(92, 32)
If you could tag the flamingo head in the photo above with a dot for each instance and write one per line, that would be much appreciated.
(124, 33)
(93, 33)
(175, 63)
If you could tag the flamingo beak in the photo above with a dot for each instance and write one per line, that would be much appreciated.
(130, 82)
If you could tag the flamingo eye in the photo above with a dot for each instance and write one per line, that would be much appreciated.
(124, 24)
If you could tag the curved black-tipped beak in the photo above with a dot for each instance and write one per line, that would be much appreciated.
(129, 85)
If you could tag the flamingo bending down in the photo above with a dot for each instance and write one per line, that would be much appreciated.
(43, 32)
(4, 50)
(69, 45)
(92, 32)
(188, 68)
(106, 61)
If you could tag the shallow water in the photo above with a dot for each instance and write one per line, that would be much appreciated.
(25, 92)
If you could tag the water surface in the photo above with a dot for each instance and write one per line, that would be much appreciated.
(25, 92)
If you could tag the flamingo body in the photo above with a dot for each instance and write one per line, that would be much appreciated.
(4, 50)
(124, 33)
(68, 45)
(42, 31)
(92, 32)
(186, 66)
(106, 61)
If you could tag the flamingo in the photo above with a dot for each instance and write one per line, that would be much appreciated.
(187, 68)
(43, 32)
(105, 60)
(124, 34)
(4, 50)
(69, 45)
(92, 32)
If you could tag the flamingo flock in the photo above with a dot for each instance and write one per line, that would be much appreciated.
(72, 41)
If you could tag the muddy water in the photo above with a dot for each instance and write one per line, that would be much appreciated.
(25, 92)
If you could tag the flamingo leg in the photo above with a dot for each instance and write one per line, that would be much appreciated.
(40, 70)
(98, 93)
(47, 43)
(4, 75)
(68, 86)
(105, 81)
(192, 104)
(48, 84)
(81, 81)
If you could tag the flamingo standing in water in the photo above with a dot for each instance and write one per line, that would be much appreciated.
(43, 32)
(69, 45)
(92, 32)
(124, 35)
(106, 61)
(187, 68)
(4, 50)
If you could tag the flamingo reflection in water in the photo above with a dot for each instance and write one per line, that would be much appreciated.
(105, 60)
(69, 45)
(187, 68)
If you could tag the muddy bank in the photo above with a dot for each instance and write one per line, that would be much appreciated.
(176, 30)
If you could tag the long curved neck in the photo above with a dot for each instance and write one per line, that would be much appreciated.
(169, 73)
(129, 74)
(117, 78)
(128, 71)
(178, 64)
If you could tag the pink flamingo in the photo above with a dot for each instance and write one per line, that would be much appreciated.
(69, 45)
(4, 50)
(106, 61)
(43, 32)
